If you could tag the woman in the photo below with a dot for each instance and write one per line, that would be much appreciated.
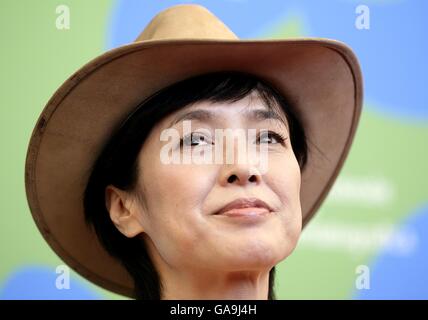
(210, 230)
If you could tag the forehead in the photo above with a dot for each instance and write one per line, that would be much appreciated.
(251, 110)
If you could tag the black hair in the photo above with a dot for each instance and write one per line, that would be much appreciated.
(117, 163)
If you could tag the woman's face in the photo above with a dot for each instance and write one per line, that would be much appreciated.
(178, 202)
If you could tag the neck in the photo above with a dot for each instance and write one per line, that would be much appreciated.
(214, 285)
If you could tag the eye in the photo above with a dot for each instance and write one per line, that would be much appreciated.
(271, 137)
(194, 139)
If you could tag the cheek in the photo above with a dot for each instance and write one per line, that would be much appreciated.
(174, 194)
(285, 180)
(177, 186)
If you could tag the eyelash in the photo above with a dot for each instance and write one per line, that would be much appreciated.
(278, 136)
(187, 137)
(281, 138)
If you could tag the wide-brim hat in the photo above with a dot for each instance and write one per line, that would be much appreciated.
(320, 77)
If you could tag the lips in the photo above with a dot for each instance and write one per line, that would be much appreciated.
(245, 206)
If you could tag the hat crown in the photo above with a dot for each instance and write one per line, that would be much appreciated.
(186, 21)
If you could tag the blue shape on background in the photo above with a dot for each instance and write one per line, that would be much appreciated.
(38, 283)
(401, 276)
(392, 52)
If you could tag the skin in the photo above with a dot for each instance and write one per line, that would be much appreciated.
(200, 255)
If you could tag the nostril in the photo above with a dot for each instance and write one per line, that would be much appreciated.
(232, 178)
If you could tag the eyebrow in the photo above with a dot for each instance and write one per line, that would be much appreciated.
(252, 115)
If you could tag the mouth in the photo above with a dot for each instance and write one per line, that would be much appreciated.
(245, 207)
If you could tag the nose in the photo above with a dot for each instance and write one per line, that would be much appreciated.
(240, 175)
(238, 167)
